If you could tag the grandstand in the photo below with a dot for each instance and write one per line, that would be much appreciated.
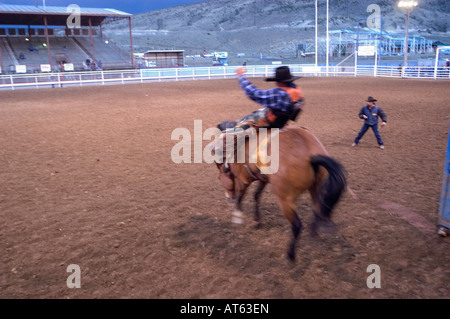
(34, 37)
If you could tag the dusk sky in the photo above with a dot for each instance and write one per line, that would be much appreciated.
(129, 6)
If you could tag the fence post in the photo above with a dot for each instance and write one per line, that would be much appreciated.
(12, 82)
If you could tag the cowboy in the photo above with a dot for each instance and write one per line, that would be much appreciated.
(280, 104)
(370, 113)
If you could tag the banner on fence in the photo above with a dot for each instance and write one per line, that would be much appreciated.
(46, 68)
(21, 68)
(68, 67)
(366, 50)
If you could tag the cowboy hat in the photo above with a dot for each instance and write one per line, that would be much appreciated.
(283, 74)
(371, 99)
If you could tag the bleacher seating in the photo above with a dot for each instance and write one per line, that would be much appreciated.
(32, 52)
(8, 58)
(108, 53)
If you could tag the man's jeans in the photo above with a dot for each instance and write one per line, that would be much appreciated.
(363, 131)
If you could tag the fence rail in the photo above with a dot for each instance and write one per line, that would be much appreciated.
(64, 79)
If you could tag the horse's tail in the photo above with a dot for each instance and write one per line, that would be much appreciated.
(330, 189)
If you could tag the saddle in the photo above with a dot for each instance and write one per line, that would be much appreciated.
(273, 119)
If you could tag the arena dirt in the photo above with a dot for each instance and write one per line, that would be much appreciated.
(87, 178)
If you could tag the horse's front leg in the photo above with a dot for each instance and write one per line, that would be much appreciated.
(237, 216)
(257, 195)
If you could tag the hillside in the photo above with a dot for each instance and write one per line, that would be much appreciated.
(269, 28)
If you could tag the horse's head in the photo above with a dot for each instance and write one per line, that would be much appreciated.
(226, 178)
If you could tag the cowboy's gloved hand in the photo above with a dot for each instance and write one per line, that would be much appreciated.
(240, 71)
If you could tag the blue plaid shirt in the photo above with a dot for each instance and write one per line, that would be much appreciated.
(273, 98)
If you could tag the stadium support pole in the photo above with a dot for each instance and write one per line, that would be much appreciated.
(405, 53)
(375, 64)
(48, 43)
(131, 43)
(92, 40)
(1, 61)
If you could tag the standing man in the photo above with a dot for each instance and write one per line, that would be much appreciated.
(370, 113)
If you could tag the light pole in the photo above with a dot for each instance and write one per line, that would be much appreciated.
(407, 4)
(328, 36)
(316, 50)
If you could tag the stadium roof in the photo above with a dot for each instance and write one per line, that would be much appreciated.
(32, 15)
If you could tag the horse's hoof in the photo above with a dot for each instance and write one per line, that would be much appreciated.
(329, 226)
(313, 231)
(237, 217)
(291, 257)
(256, 224)
(290, 264)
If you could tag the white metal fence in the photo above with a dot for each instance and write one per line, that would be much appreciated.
(64, 79)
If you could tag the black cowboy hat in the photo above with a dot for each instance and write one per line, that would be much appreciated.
(371, 99)
(283, 74)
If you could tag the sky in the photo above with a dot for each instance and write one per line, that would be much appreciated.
(129, 6)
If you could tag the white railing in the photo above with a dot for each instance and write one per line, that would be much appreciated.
(64, 79)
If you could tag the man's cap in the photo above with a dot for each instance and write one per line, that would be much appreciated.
(371, 99)
(283, 74)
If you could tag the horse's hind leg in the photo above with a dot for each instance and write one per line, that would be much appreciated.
(288, 209)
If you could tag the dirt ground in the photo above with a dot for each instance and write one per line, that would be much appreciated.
(87, 178)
